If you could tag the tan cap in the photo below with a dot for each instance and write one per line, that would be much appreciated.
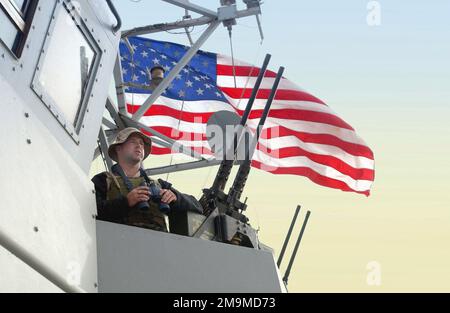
(123, 135)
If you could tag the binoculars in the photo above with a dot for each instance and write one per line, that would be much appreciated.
(155, 197)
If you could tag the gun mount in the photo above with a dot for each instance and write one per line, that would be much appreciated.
(224, 219)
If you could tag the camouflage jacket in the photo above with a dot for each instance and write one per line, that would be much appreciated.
(117, 209)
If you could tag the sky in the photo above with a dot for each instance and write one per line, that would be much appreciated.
(390, 81)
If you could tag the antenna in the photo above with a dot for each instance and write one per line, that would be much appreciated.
(294, 253)
(288, 236)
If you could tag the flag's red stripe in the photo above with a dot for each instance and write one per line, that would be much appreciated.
(339, 165)
(191, 117)
(281, 131)
(325, 139)
(311, 174)
(301, 171)
(290, 114)
(242, 71)
(282, 94)
(302, 115)
(285, 152)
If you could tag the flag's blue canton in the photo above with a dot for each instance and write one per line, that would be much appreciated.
(196, 81)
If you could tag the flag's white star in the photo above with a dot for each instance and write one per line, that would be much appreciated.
(144, 54)
(173, 63)
(135, 78)
(166, 68)
(163, 57)
(189, 83)
(218, 94)
(208, 86)
(200, 91)
(181, 94)
(178, 76)
(134, 47)
(155, 61)
(196, 78)
(186, 70)
(124, 71)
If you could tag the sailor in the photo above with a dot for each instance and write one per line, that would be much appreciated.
(126, 195)
(157, 75)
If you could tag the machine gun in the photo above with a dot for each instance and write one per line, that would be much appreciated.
(231, 225)
(210, 197)
(234, 206)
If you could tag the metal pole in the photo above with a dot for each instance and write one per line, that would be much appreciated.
(297, 244)
(203, 20)
(156, 28)
(176, 70)
(104, 148)
(193, 7)
(120, 90)
(114, 114)
(184, 166)
(288, 236)
(108, 123)
(37, 265)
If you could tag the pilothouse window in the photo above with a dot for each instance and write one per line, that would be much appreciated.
(64, 73)
(15, 20)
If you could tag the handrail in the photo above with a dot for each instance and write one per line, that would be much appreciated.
(116, 15)
(36, 264)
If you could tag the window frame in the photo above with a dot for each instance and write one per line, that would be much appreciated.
(21, 19)
(73, 129)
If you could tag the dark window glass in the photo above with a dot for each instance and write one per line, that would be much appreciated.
(15, 17)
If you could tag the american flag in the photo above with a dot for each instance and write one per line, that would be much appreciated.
(302, 135)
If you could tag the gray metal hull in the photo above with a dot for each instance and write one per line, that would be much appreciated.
(132, 259)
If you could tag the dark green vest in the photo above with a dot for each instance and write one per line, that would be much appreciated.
(152, 218)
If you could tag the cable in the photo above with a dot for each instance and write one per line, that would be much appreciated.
(180, 115)
(232, 55)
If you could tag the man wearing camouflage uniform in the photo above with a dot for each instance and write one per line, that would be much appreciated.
(123, 195)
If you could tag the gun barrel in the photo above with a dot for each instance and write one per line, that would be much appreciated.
(242, 174)
(226, 165)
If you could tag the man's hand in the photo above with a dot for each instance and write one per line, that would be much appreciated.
(167, 196)
(138, 194)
